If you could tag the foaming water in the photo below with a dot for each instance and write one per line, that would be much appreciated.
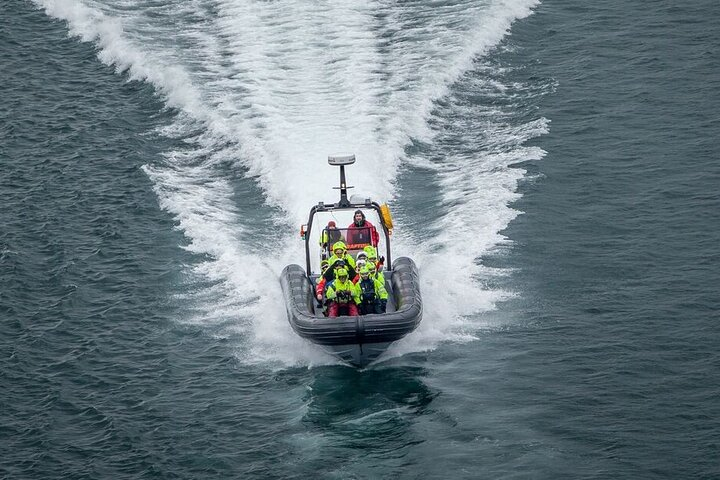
(267, 90)
(477, 178)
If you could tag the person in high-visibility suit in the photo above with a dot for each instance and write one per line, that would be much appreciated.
(330, 235)
(343, 295)
(340, 258)
(374, 273)
(373, 295)
(372, 256)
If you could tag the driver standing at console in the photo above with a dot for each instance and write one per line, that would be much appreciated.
(362, 231)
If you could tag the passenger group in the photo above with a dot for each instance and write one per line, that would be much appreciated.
(352, 286)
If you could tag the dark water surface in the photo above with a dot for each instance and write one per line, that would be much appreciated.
(604, 365)
(618, 249)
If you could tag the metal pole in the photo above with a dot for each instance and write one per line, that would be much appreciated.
(344, 202)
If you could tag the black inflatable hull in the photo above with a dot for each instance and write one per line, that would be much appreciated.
(356, 340)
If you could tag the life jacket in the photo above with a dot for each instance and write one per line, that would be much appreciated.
(367, 290)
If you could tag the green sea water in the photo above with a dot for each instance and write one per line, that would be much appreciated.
(552, 167)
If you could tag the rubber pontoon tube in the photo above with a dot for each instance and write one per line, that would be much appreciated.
(373, 328)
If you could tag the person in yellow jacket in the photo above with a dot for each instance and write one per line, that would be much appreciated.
(374, 273)
(339, 259)
(330, 235)
(343, 295)
(372, 256)
(372, 292)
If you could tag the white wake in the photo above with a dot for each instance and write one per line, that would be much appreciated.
(264, 91)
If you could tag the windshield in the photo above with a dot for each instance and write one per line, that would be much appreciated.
(339, 226)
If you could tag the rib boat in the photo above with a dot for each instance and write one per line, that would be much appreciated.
(360, 339)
